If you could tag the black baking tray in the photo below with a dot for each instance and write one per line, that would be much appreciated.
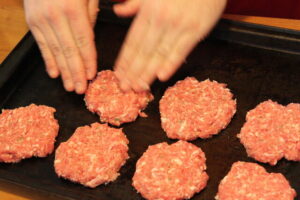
(257, 62)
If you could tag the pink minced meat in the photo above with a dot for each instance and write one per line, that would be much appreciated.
(192, 109)
(168, 172)
(114, 106)
(271, 132)
(26, 132)
(93, 155)
(250, 181)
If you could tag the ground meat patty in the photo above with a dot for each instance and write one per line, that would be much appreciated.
(26, 132)
(192, 109)
(105, 97)
(250, 181)
(93, 155)
(271, 132)
(170, 172)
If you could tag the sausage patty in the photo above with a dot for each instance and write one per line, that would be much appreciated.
(192, 109)
(250, 181)
(93, 155)
(26, 132)
(114, 106)
(166, 172)
(271, 132)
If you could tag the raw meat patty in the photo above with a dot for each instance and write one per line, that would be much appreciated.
(93, 155)
(250, 181)
(192, 109)
(105, 97)
(26, 132)
(168, 172)
(272, 131)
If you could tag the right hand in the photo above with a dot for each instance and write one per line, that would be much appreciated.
(161, 36)
(64, 33)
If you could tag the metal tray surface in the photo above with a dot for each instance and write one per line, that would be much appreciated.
(252, 74)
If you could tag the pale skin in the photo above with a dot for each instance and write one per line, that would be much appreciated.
(161, 36)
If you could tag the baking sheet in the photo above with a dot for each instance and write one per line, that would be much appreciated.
(252, 74)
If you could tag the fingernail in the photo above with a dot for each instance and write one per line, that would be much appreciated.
(124, 87)
(79, 88)
(162, 76)
(69, 86)
(144, 85)
(90, 75)
(52, 73)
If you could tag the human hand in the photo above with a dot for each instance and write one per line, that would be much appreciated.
(161, 36)
(63, 30)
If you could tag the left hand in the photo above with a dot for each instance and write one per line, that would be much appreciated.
(161, 36)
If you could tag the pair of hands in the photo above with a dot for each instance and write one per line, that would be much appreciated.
(162, 34)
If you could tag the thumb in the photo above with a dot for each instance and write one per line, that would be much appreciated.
(128, 8)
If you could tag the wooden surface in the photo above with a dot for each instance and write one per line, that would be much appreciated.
(277, 22)
(13, 28)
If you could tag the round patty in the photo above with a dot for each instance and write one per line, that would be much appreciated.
(272, 131)
(114, 106)
(26, 132)
(175, 171)
(93, 155)
(192, 109)
(250, 181)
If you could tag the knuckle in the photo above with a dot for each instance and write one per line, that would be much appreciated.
(192, 25)
(81, 41)
(55, 49)
(163, 50)
(30, 19)
(77, 72)
(78, 76)
(51, 14)
(35, 21)
(69, 51)
(71, 12)
(175, 21)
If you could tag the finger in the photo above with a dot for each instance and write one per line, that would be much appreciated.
(128, 8)
(124, 83)
(47, 55)
(129, 50)
(181, 49)
(93, 9)
(149, 74)
(57, 51)
(70, 52)
(146, 51)
(162, 52)
(84, 38)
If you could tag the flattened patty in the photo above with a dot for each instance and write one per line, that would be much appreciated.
(271, 132)
(93, 155)
(26, 132)
(250, 181)
(192, 109)
(105, 98)
(175, 171)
